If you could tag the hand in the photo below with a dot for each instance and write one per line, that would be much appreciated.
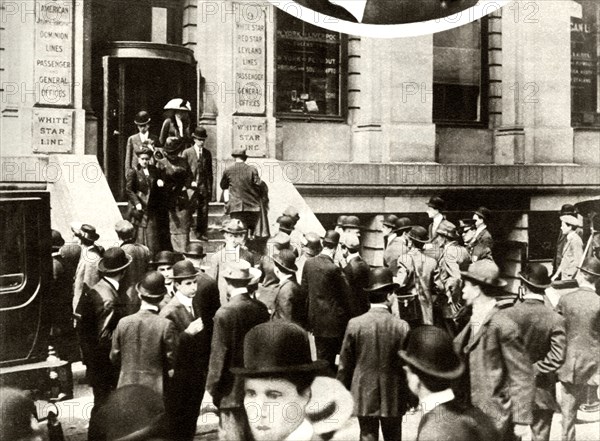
(194, 184)
(138, 207)
(195, 327)
(160, 183)
(523, 432)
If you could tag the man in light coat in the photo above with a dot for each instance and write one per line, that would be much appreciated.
(572, 250)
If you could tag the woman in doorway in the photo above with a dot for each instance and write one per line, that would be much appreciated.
(177, 122)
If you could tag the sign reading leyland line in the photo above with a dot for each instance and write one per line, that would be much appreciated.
(53, 62)
(249, 73)
(250, 133)
(52, 130)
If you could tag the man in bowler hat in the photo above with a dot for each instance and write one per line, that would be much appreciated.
(581, 310)
(328, 300)
(435, 208)
(431, 367)
(500, 373)
(200, 161)
(387, 228)
(369, 364)
(140, 139)
(397, 243)
(290, 299)
(480, 246)
(231, 323)
(357, 274)
(87, 268)
(544, 337)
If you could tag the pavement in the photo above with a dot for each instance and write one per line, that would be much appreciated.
(74, 416)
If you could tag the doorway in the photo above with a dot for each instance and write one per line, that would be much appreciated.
(132, 84)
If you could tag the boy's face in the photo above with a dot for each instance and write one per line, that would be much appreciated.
(143, 128)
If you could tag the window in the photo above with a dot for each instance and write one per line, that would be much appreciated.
(459, 83)
(585, 102)
(310, 70)
(12, 251)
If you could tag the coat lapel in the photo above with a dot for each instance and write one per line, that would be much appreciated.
(469, 347)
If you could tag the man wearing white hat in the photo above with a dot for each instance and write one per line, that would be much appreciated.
(573, 248)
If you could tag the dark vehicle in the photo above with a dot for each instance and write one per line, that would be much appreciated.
(25, 280)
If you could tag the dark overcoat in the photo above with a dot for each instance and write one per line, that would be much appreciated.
(357, 273)
(140, 256)
(290, 303)
(134, 142)
(481, 245)
(396, 248)
(243, 183)
(201, 169)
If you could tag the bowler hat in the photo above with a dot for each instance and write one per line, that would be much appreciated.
(312, 241)
(239, 152)
(267, 351)
(591, 265)
(418, 234)
(351, 222)
(87, 232)
(484, 272)
(286, 261)
(436, 202)
(402, 224)
(152, 285)
(241, 270)
(430, 350)
(536, 275)
(569, 219)
(200, 133)
(483, 213)
(143, 150)
(178, 104)
(57, 240)
(142, 118)
(568, 209)
(286, 223)
(340, 220)
(292, 212)
(194, 249)
(114, 260)
(233, 226)
(125, 230)
(381, 278)
(332, 238)
(184, 269)
(447, 229)
(172, 144)
(133, 413)
(166, 258)
(389, 220)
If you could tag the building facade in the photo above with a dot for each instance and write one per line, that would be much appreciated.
(503, 112)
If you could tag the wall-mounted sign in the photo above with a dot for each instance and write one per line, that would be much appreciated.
(250, 133)
(52, 130)
(53, 60)
(584, 72)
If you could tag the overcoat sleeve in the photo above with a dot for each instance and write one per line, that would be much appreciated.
(347, 359)
(219, 353)
(556, 355)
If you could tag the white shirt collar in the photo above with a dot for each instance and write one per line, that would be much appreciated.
(533, 296)
(185, 301)
(433, 400)
(378, 305)
(303, 432)
(144, 136)
(479, 229)
(352, 256)
(148, 307)
(354, 7)
(284, 278)
(113, 282)
(237, 292)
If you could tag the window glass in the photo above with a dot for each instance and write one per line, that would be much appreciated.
(12, 251)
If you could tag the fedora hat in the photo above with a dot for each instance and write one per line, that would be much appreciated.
(194, 249)
(430, 350)
(484, 272)
(200, 133)
(87, 232)
(402, 224)
(240, 270)
(591, 265)
(483, 213)
(351, 222)
(184, 269)
(286, 261)
(286, 223)
(436, 202)
(124, 229)
(332, 238)
(239, 152)
(57, 240)
(166, 258)
(172, 144)
(418, 234)
(178, 104)
(536, 275)
(142, 118)
(389, 220)
(267, 351)
(448, 229)
(233, 226)
(152, 285)
(114, 260)
(381, 278)
(569, 219)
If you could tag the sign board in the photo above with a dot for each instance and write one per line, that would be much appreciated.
(250, 133)
(52, 130)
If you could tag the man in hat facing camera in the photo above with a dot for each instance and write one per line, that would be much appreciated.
(357, 274)
(143, 344)
(268, 286)
(140, 139)
(311, 246)
(499, 370)
(543, 333)
(241, 185)
(581, 310)
(565, 210)
(101, 309)
(387, 228)
(232, 321)
(87, 268)
(328, 300)
(290, 300)
(397, 244)
(163, 263)
(481, 244)
(431, 368)
(572, 251)
(369, 366)
(200, 161)
(435, 206)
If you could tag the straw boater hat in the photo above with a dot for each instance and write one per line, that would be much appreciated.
(114, 261)
(484, 272)
(142, 118)
(152, 286)
(178, 104)
(569, 219)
